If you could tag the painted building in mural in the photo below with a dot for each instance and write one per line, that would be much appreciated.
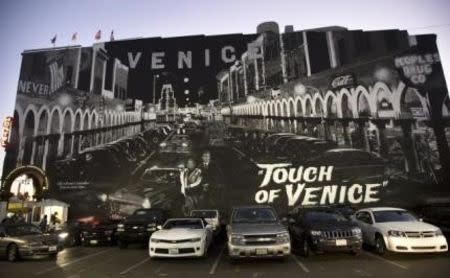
(369, 90)
(380, 92)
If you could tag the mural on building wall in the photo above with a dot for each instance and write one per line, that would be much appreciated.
(293, 118)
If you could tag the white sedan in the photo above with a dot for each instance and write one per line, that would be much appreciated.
(181, 237)
(398, 230)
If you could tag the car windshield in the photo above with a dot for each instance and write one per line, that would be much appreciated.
(254, 215)
(160, 176)
(393, 216)
(22, 230)
(148, 213)
(204, 213)
(323, 216)
(183, 224)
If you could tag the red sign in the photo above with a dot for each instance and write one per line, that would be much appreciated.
(7, 125)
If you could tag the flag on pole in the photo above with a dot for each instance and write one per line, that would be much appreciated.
(53, 40)
(98, 35)
(111, 37)
(74, 36)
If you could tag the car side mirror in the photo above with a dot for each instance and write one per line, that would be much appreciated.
(159, 227)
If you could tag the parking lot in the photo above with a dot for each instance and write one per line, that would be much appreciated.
(135, 262)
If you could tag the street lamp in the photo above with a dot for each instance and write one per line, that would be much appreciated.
(155, 76)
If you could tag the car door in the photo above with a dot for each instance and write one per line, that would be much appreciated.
(297, 228)
(364, 220)
(4, 241)
(208, 232)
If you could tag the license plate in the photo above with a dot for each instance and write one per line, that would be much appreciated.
(173, 251)
(93, 241)
(341, 242)
(261, 251)
(52, 248)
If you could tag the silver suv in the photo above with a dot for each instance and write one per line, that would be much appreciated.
(256, 231)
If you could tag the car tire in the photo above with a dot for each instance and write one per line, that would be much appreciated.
(380, 246)
(305, 248)
(12, 253)
(122, 244)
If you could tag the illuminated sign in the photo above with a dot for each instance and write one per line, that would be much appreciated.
(342, 81)
(417, 67)
(15, 205)
(7, 124)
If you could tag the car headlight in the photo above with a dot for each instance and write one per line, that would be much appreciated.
(395, 233)
(195, 239)
(438, 232)
(63, 235)
(184, 145)
(163, 145)
(237, 239)
(120, 228)
(316, 233)
(154, 240)
(283, 237)
(356, 231)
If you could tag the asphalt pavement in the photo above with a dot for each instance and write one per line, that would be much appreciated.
(134, 262)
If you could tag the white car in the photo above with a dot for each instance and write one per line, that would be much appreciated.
(211, 216)
(398, 230)
(181, 237)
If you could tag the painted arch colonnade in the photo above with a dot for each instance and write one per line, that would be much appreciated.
(41, 134)
(377, 106)
(343, 103)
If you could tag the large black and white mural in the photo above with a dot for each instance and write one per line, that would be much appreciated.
(288, 118)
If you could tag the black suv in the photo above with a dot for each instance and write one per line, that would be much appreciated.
(138, 227)
(102, 233)
(323, 229)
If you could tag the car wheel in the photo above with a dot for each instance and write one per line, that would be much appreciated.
(380, 246)
(306, 248)
(13, 253)
(122, 244)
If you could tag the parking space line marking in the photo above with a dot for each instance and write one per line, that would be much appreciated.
(71, 262)
(362, 272)
(216, 262)
(135, 266)
(386, 260)
(300, 264)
